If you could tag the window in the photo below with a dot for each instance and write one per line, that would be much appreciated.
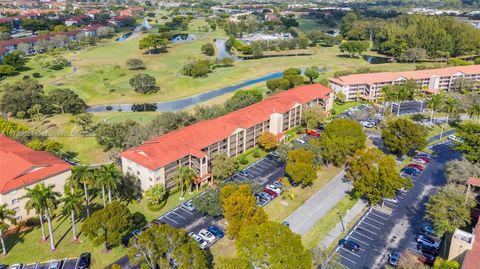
(204, 160)
(14, 201)
(16, 209)
(138, 173)
(13, 192)
(18, 218)
(150, 179)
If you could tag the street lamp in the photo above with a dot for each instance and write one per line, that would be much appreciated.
(341, 221)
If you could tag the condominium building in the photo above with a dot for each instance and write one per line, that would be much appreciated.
(21, 168)
(157, 160)
(369, 86)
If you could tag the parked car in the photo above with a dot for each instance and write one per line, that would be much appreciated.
(423, 158)
(84, 260)
(274, 154)
(216, 231)
(393, 258)
(427, 241)
(270, 192)
(416, 166)
(391, 200)
(3, 266)
(203, 244)
(265, 195)
(368, 124)
(16, 266)
(207, 236)
(427, 249)
(274, 189)
(350, 245)
(188, 205)
(55, 265)
(402, 190)
(312, 132)
(286, 223)
(278, 184)
(455, 138)
(262, 201)
(429, 230)
(410, 171)
(244, 173)
(420, 161)
(299, 140)
(423, 155)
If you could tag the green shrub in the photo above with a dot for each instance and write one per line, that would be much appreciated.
(243, 160)
(256, 153)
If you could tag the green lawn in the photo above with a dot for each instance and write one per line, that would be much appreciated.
(279, 209)
(339, 108)
(323, 227)
(249, 156)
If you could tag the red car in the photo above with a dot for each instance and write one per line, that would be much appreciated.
(417, 166)
(425, 159)
(312, 132)
(270, 192)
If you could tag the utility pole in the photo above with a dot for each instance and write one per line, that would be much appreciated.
(341, 221)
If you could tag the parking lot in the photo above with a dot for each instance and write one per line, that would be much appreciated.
(409, 107)
(394, 227)
(260, 172)
(67, 264)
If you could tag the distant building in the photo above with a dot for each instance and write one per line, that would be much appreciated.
(369, 86)
(157, 160)
(21, 168)
(75, 21)
(271, 17)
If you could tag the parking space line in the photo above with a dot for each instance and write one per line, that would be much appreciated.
(184, 210)
(359, 241)
(347, 258)
(388, 203)
(371, 225)
(353, 253)
(170, 219)
(364, 229)
(377, 215)
(173, 212)
(374, 220)
(340, 264)
(363, 235)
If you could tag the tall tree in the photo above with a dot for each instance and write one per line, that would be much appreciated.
(300, 166)
(185, 178)
(272, 245)
(65, 100)
(209, 203)
(312, 117)
(109, 178)
(21, 96)
(153, 42)
(403, 135)
(267, 141)
(449, 208)
(450, 107)
(470, 133)
(82, 178)
(161, 245)
(5, 215)
(435, 102)
(312, 73)
(48, 199)
(35, 202)
(240, 207)
(474, 112)
(375, 175)
(108, 225)
(72, 205)
(223, 167)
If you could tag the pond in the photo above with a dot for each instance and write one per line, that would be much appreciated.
(185, 102)
(182, 37)
(376, 59)
(124, 37)
(222, 51)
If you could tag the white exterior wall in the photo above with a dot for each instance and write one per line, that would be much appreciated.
(276, 123)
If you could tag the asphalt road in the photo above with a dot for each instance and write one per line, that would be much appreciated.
(394, 227)
(305, 217)
(409, 107)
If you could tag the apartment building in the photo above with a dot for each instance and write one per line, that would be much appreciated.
(369, 86)
(22, 167)
(157, 160)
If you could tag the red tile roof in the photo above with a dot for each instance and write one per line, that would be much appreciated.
(472, 258)
(21, 166)
(31, 39)
(162, 150)
(474, 181)
(372, 78)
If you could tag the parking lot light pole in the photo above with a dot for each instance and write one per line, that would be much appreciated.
(341, 221)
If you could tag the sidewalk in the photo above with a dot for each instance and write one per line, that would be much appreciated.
(307, 215)
(347, 219)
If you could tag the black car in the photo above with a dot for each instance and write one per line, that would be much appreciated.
(3, 266)
(84, 260)
(427, 249)
(350, 245)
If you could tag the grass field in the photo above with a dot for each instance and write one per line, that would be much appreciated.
(102, 76)
(279, 209)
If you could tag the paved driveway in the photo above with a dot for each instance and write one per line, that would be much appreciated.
(394, 227)
(305, 217)
(409, 107)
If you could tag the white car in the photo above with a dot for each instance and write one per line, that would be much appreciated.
(391, 200)
(188, 205)
(207, 236)
(274, 188)
(301, 141)
(419, 161)
(203, 244)
(455, 138)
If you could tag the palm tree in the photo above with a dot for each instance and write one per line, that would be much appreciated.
(48, 200)
(81, 177)
(474, 112)
(406, 91)
(72, 205)
(389, 95)
(184, 178)
(109, 176)
(451, 105)
(35, 202)
(5, 214)
(434, 103)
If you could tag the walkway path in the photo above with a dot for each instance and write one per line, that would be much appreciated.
(347, 219)
(305, 217)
